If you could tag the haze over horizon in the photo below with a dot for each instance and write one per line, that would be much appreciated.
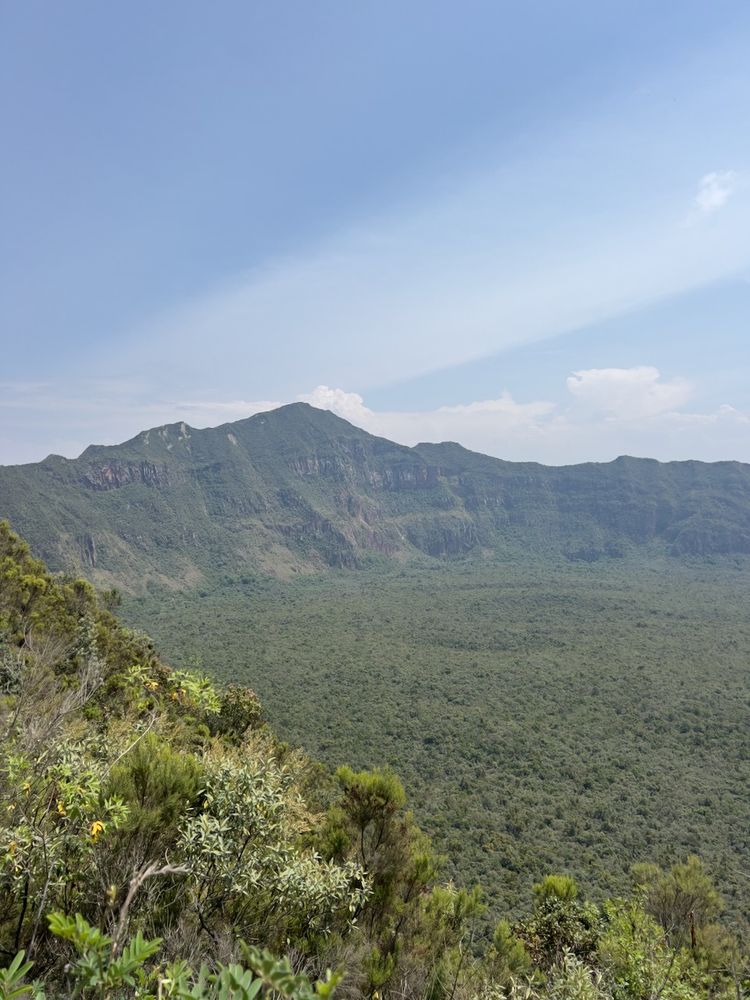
(380, 425)
(526, 230)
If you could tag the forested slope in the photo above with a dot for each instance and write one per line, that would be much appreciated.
(149, 822)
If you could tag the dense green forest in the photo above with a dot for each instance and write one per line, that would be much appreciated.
(158, 840)
(543, 716)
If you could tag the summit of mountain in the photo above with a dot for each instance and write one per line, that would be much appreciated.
(298, 489)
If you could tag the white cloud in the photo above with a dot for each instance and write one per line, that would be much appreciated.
(715, 190)
(609, 412)
(628, 393)
(349, 405)
(727, 412)
(612, 411)
(483, 425)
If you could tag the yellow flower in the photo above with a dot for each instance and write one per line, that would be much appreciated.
(61, 807)
(97, 827)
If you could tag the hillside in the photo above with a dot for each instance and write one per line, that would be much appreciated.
(478, 625)
(298, 490)
(154, 832)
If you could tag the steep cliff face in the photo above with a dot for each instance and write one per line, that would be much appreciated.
(87, 546)
(298, 490)
(114, 475)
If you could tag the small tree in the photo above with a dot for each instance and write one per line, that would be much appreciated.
(562, 923)
(682, 899)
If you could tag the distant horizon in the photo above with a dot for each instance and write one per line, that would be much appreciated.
(303, 403)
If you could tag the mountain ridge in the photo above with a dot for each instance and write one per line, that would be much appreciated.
(182, 427)
(299, 490)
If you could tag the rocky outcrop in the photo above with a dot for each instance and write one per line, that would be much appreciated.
(354, 464)
(443, 536)
(87, 549)
(115, 475)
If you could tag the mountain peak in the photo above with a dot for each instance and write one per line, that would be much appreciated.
(299, 489)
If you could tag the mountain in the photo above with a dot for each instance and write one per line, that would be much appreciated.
(298, 489)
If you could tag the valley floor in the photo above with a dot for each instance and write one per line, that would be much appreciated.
(576, 717)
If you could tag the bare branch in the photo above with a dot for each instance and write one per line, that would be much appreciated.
(150, 871)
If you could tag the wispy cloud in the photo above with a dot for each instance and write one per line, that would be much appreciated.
(715, 190)
(527, 248)
(21, 388)
(628, 393)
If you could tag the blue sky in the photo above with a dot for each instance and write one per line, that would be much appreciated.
(525, 227)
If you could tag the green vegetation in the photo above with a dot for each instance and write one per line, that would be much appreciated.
(298, 490)
(157, 840)
(554, 661)
(552, 716)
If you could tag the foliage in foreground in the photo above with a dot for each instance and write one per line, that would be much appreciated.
(99, 969)
(151, 824)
